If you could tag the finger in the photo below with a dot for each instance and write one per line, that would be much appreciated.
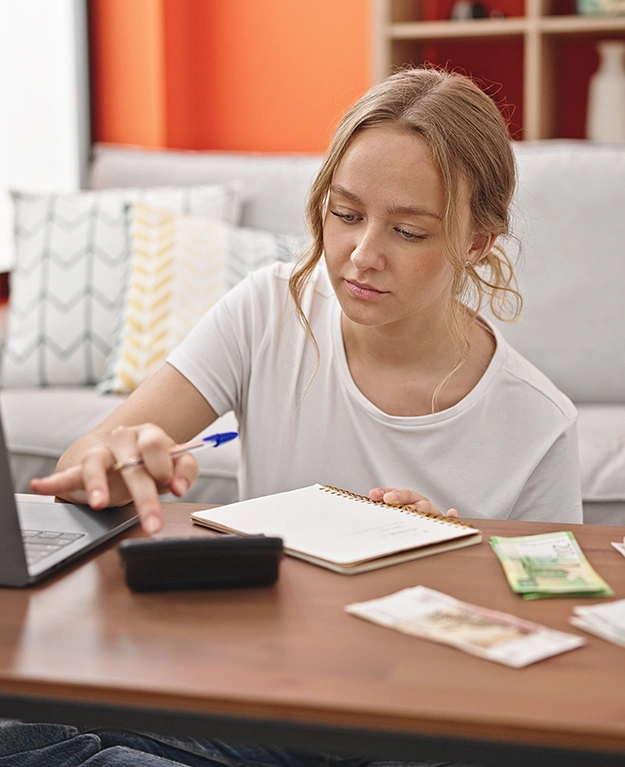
(186, 471)
(377, 493)
(139, 482)
(171, 474)
(427, 507)
(69, 480)
(452, 513)
(401, 496)
(95, 476)
(144, 494)
(153, 445)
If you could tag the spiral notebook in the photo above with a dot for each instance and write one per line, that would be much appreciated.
(343, 531)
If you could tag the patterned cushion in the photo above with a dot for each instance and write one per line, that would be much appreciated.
(178, 267)
(70, 267)
(249, 249)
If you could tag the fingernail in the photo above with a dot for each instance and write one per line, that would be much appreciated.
(152, 524)
(420, 505)
(394, 496)
(95, 498)
(180, 485)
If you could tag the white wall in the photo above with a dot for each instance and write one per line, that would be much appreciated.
(44, 102)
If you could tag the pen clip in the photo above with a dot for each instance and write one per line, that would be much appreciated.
(219, 439)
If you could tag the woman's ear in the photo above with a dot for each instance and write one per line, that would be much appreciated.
(481, 245)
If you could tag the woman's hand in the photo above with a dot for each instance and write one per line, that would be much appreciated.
(95, 481)
(404, 497)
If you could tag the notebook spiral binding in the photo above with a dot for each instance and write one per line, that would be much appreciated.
(401, 507)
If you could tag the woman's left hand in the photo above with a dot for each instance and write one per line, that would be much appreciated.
(405, 497)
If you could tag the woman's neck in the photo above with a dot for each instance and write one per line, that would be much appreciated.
(426, 346)
(400, 372)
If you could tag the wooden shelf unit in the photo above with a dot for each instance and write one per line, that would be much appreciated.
(548, 46)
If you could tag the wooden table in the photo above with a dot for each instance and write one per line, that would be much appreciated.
(287, 665)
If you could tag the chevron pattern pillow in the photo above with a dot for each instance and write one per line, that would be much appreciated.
(179, 266)
(66, 286)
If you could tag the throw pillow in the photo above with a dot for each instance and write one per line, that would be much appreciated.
(178, 268)
(67, 283)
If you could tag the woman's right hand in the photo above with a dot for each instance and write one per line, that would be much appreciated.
(96, 481)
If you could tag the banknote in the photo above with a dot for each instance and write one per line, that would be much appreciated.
(437, 617)
(620, 547)
(548, 565)
(606, 621)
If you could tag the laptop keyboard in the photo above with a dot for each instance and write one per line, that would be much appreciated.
(41, 543)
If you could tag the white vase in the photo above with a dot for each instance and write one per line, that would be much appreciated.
(606, 94)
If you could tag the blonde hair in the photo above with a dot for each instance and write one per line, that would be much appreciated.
(470, 143)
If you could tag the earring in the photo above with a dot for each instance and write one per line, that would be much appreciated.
(468, 265)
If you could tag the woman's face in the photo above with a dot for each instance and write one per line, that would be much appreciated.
(382, 232)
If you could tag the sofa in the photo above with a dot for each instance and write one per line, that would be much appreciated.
(569, 243)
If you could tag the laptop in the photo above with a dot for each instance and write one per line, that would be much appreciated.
(39, 537)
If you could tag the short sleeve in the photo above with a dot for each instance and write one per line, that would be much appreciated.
(553, 491)
(217, 354)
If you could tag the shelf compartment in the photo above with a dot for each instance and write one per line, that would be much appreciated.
(582, 25)
(496, 66)
(541, 51)
(477, 28)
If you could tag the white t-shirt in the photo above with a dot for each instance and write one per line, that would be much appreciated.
(508, 450)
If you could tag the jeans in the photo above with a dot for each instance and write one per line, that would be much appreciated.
(56, 745)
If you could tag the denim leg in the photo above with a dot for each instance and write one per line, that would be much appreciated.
(44, 745)
(194, 752)
(381, 763)
(120, 756)
(52, 745)
(377, 762)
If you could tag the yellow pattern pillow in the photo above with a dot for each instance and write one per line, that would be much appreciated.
(177, 271)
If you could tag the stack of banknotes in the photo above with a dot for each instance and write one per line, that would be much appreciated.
(606, 621)
(548, 565)
(489, 634)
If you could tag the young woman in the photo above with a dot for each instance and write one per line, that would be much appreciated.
(367, 366)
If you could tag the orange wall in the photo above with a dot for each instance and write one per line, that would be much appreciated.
(127, 71)
(249, 75)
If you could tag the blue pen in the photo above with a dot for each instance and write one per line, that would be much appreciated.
(187, 447)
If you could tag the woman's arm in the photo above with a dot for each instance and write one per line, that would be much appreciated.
(166, 409)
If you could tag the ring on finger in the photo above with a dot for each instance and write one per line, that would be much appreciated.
(128, 463)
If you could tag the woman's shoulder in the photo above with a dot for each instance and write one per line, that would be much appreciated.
(535, 387)
(261, 285)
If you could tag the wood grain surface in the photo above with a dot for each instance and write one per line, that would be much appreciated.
(290, 653)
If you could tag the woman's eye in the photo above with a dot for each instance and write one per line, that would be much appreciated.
(411, 235)
(349, 217)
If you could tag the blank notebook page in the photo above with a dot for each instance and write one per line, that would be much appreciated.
(332, 524)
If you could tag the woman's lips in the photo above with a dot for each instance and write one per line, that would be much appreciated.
(362, 290)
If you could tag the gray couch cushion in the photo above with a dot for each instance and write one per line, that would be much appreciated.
(570, 218)
(274, 187)
(601, 430)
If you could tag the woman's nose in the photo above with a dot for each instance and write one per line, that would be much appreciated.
(368, 253)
